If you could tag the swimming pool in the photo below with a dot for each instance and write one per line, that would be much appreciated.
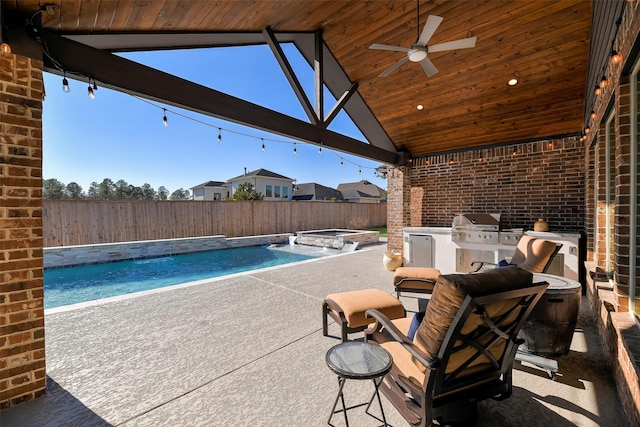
(71, 285)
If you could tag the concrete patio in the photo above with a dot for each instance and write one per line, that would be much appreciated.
(248, 350)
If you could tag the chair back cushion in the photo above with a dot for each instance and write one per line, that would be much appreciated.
(447, 298)
(533, 254)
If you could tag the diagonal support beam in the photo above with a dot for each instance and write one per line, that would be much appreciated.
(136, 79)
(340, 104)
(271, 40)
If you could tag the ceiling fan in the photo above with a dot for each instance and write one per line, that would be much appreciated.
(419, 50)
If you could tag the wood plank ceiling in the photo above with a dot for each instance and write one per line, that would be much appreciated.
(467, 104)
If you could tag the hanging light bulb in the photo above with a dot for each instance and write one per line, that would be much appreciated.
(603, 82)
(95, 86)
(219, 135)
(165, 121)
(598, 91)
(295, 150)
(65, 82)
(616, 58)
(587, 130)
(593, 114)
(359, 170)
(341, 162)
(90, 91)
(263, 147)
(5, 48)
(320, 148)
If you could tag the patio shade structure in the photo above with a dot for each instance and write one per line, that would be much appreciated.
(468, 103)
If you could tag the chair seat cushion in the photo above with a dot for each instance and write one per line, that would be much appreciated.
(354, 304)
(415, 277)
(402, 360)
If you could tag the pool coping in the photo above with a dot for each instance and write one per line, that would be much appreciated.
(71, 256)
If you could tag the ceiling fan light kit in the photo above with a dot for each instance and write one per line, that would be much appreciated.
(418, 52)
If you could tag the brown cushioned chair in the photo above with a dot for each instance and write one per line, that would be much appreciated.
(531, 254)
(464, 349)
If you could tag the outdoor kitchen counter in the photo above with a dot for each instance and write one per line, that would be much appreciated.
(445, 252)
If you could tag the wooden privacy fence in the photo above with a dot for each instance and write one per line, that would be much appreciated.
(83, 222)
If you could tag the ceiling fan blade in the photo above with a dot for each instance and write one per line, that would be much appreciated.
(387, 47)
(388, 71)
(430, 27)
(452, 45)
(428, 67)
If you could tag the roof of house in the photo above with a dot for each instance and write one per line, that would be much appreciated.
(261, 173)
(355, 194)
(314, 191)
(210, 184)
(365, 187)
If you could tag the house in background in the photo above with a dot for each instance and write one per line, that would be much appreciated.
(314, 191)
(211, 190)
(362, 192)
(270, 184)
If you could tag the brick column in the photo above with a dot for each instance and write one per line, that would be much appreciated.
(398, 206)
(22, 355)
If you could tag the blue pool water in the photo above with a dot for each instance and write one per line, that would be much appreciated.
(70, 285)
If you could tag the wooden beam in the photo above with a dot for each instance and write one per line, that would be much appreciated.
(341, 102)
(136, 79)
(318, 71)
(272, 42)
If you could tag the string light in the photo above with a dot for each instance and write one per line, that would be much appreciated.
(598, 91)
(320, 148)
(593, 115)
(263, 140)
(616, 58)
(165, 121)
(65, 82)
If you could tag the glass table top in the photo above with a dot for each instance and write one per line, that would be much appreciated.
(358, 360)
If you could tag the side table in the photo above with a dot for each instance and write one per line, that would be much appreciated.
(357, 360)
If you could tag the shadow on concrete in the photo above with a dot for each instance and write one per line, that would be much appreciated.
(57, 407)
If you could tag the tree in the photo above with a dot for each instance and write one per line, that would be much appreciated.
(53, 189)
(121, 190)
(245, 191)
(93, 192)
(148, 193)
(106, 189)
(163, 193)
(74, 191)
(180, 194)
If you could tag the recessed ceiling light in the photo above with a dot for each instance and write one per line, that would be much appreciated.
(513, 81)
(420, 107)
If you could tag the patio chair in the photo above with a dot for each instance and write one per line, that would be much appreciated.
(531, 254)
(464, 349)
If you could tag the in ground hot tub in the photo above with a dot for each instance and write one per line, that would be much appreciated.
(336, 238)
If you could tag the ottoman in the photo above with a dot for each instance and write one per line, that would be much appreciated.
(419, 280)
(348, 309)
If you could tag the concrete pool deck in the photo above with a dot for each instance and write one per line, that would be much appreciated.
(248, 351)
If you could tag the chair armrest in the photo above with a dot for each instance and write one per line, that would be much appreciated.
(398, 336)
(480, 265)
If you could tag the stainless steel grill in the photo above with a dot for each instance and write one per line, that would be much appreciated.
(476, 228)
(484, 229)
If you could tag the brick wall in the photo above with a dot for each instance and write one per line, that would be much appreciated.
(22, 355)
(544, 179)
(398, 204)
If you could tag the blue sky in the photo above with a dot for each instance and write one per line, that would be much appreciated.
(119, 136)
